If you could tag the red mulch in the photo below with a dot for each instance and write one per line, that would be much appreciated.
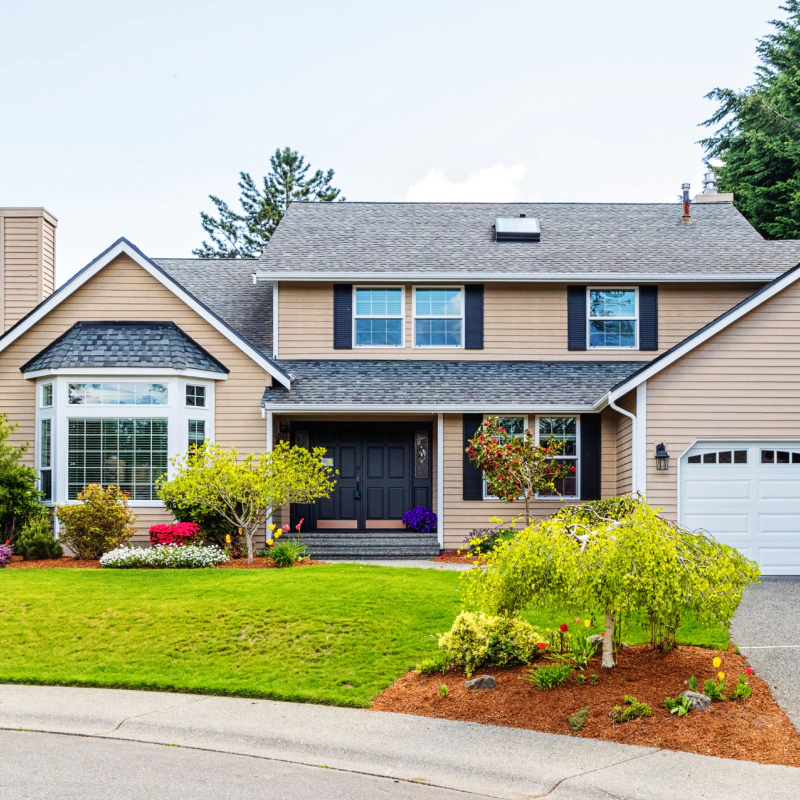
(48, 563)
(756, 729)
(262, 563)
(452, 557)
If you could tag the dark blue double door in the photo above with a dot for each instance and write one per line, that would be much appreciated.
(384, 470)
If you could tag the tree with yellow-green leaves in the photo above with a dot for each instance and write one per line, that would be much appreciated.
(247, 491)
(618, 557)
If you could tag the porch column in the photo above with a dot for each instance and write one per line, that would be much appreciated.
(269, 450)
(440, 477)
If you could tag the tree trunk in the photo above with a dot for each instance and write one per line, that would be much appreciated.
(608, 641)
(249, 537)
(527, 508)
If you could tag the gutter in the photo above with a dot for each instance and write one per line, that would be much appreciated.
(634, 442)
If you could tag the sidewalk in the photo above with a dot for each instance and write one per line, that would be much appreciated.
(483, 759)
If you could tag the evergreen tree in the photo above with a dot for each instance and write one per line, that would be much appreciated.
(759, 134)
(245, 235)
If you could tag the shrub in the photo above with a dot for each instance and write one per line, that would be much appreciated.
(478, 640)
(639, 563)
(743, 689)
(214, 528)
(483, 540)
(420, 519)
(714, 689)
(19, 497)
(36, 541)
(578, 719)
(678, 705)
(437, 663)
(100, 522)
(179, 533)
(6, 551)
(630, 709)
(288, 553)
(164, 556)
(548, 676)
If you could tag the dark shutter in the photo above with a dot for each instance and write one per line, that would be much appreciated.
(473, 316)
(473, 478)
(648, 317)
(342, 316)
(589, 466)
(576, 317)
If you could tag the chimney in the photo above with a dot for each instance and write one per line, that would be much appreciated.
(27, 261)
(687, 216)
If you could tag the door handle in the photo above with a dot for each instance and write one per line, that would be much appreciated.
(357, 492)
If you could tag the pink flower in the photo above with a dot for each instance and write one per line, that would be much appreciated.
(577, 619)
(749, 670)
(286, 529)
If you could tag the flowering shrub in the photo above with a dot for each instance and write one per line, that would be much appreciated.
(6, 551)
(420, 519)
(164, 556)
(478, 640)
(179, 533)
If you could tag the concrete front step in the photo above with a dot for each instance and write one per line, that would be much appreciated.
(370, 544)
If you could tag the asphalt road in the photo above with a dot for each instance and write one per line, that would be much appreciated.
(767, 630)
(64, 767)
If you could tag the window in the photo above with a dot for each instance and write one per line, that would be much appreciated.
(438, 317)
(612, 317)
(779, 457)
(197, 432)
(563, 429)
(514, 427)
(721, 457)
(117, 394)
(47, 395)
(46, 458)
(378, 317)
(196, 396)
(129, 453)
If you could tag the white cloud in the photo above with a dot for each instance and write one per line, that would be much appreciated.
(495, 184)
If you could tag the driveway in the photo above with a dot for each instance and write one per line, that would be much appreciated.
(766, 629)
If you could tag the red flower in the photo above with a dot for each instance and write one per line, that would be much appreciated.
(547, 470)
(572, 469)
(563, 628)
(286, 529)
(542, 645)
(749, 670)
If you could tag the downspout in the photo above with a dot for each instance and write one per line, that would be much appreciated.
(634, 441)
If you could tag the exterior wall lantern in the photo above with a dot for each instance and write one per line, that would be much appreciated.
(662, 457)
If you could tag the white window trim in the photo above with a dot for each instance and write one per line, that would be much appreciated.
(486, 495)
(589, 318)
(39, 448)
(174, 411)
(41, 394)
(414, 344)
(576, 458)
(402, 318)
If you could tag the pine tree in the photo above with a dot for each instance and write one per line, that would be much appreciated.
(759, 134)
(245, 235)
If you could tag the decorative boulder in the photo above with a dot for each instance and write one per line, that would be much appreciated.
(481, 682)
(697, 701)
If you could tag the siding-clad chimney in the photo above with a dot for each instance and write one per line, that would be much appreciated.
(27, 261)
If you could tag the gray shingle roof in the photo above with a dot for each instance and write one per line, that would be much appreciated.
(349, 239)
(426, 383)
(120, 344)
(226, 287)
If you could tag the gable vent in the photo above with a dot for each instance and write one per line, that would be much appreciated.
(517, 229)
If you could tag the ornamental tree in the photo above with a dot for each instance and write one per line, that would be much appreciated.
(639, 563)
(515, 466)
(246, 491)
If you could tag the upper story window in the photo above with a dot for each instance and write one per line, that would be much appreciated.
(612, 318)
(439, 317)
(117, 394)
(196, 396)
(378, 318)
(47, 395)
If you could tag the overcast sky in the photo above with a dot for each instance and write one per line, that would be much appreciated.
(122, 117)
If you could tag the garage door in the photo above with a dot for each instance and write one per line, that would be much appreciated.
(747, 494)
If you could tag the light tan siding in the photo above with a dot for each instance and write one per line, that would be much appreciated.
(48, 283)
(608, 453)
(521, 321)
(625, 444)
(742, 383)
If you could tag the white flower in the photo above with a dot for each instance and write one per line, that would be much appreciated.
(169, 556)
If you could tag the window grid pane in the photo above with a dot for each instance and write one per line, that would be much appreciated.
(114, 394)
(618, 303)
(562, 429)
(379, 332)
(379, 318)
(47, 395)
(438, 318)
(196, 396)
(45, 443)
(129, 453)
(197, 432)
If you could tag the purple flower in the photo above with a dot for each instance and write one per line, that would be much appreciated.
(6, 551)
(420, 519)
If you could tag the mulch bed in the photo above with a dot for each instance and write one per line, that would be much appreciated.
(49, 563)
(452, 557)
(756, 729)
(262, 563)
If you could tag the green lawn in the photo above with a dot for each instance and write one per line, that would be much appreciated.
(335, 634)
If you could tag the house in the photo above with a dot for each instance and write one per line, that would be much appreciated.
(386, 332)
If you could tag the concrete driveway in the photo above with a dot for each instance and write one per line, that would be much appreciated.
(766, 629)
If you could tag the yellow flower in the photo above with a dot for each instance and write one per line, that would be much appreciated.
(240, 531)
(716, 662)
(476, 563)
(279, 534)
(272, 526)
(587, 623)
(270, 542)
(721, 676)
(227, 538)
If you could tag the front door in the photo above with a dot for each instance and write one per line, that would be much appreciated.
(384, 470)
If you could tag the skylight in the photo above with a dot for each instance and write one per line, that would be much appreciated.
(517, 229)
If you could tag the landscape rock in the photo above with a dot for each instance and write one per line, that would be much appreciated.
(481, 682)
(697, 701)
(595, 638)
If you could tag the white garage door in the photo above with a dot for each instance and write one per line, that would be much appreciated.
(747, 494)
